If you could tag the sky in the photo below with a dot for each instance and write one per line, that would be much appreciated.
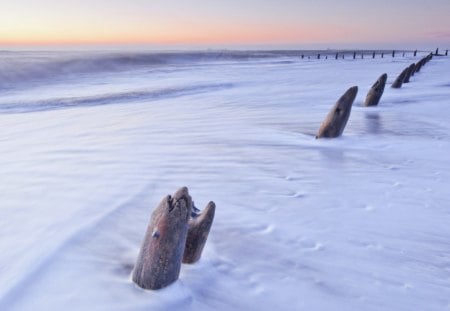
(227, 23)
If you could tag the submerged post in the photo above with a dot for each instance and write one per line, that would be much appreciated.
(413, 69)
(337, 118)
(415, 53)
(419, 64)
(437, 52)
(399, 81)
(337, 54)
(159, 260)
(199, 226)
(354, 55)
(393, 53)
(177, 233)
(408, 74)
(376, 91)
(373, 54)
(446, 52)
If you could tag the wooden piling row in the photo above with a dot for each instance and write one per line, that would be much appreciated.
(362, 54)
(336, 120)
(178, 231)
(408, 72)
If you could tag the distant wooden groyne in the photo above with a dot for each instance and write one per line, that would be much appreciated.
(363, 54)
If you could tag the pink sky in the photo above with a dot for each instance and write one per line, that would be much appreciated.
(327, 23)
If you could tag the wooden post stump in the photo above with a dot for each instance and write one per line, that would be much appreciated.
(337, 118)
(199, 226)
(376, 91)
(419, 64)
(399, 81)
(408, 74)
(413, 69)
(159, 260)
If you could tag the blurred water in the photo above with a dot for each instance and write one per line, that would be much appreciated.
(359, 222)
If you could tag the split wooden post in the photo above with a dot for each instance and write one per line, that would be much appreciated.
(199, 226)
(177, 233)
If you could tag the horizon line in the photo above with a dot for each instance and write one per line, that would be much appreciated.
(223, 46)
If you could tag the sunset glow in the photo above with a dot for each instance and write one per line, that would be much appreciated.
(288, 22)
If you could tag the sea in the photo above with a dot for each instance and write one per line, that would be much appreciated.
(92, 141)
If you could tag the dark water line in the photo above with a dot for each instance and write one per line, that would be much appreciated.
(109, 99)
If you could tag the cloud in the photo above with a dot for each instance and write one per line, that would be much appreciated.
(439, 34)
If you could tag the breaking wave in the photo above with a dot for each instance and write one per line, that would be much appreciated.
(108, 99)
(22, 67)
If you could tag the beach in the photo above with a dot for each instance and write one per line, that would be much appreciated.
(92, 141)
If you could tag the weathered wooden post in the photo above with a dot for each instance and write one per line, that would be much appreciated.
(399, 81)
(199, 226)
(419, 64)
(446, 52)
(376, 91)
(437, 52)
(373, 54)
(177, 233)
(393, 53)
(337, 54)
(354, 55)
(409, 73)
(303, 56)
(415, 53)
(382, 54)
(337, 118)
(159, 261)
(318, 56)
(413, 69)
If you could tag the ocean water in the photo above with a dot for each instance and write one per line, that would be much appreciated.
(90, 142)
